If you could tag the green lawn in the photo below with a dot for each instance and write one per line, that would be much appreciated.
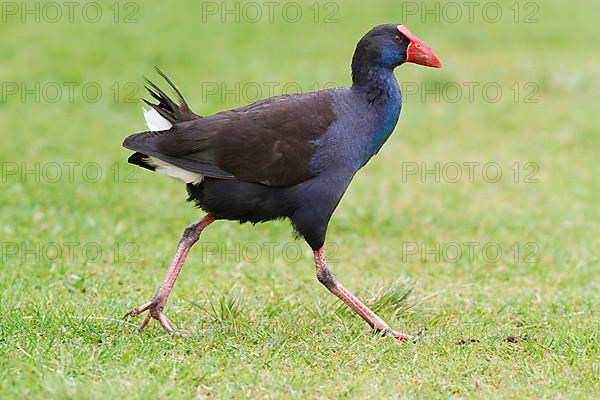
(85, 237)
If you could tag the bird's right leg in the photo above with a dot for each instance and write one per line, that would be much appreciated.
(325, 276)
(156, 305)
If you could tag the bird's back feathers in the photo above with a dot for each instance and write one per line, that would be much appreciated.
(270, 141)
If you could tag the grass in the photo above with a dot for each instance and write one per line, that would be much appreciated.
(263, 327)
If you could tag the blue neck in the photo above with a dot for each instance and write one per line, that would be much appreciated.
(383, 93)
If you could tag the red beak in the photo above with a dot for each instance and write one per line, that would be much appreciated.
(418, 52)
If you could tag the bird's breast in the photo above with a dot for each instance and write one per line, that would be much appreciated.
(389, 113)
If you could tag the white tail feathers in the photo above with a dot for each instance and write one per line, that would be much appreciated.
(155, 121)
(170, 170)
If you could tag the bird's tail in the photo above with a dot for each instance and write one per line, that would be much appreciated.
(166, 113)
(160, 117)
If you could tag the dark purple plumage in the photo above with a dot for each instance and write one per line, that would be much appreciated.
(289, 156)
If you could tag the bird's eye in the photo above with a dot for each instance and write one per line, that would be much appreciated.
(397, 39)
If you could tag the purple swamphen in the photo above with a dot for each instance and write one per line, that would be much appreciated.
(290, 156)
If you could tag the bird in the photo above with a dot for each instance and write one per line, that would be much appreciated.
(285, 157)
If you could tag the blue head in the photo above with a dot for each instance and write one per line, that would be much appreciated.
(388, 46)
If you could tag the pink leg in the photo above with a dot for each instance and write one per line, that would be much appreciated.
(156, 305)
(325, 276)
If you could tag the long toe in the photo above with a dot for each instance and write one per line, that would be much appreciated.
(399, 336)
(154, 312)
(138, 310)
(165, 322)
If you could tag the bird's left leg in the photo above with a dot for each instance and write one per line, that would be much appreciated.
(325, 276)
(156, 305)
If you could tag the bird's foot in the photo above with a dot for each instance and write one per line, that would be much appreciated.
(399, 336)
(154, 309)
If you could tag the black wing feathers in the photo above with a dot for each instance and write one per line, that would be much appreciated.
(270, 141)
